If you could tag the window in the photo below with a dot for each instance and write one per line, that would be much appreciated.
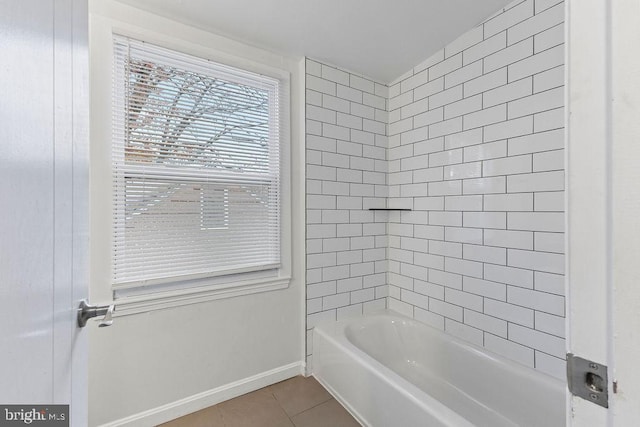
(196, 168)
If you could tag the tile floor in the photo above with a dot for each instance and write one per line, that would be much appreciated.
(296, 402)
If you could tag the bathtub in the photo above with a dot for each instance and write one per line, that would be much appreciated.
(391, 371)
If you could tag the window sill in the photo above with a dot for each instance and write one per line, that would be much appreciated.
(130, 305)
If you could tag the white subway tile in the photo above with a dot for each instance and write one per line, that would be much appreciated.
(334, 273)
(321, 260)
(541, 5)
(464, 106)
(414, 299)
(321, 172)
(509, 239)
(448, 65)
(507, 166)
(314, 305)
(548, 120)
(465, 41)
(509, 55)
(463, 203)
(400, 281)
(318, 290)
(538, 340)
(463, 235)
(400, 100)
(550, 324)
(485, 117)
(463, 139)
(444, 158)
(509, 275)
(484, 185)
(413, 271)
(429, 260)
(445, 97)
(539, 181)
(548, 79)
(337, 132)
(463, 74)
(348, 285)
(320, 85)
(362, 269)
(549, 38)
(313, 67)
(509, 202)
(428, 117)
(313, 127)
(537, 142)
(381, 90)
(502, 94)
(429, 146)
(349, 175)
(548, 161)
(349, 312)
(549, 202)
(429, 89)
(335, 75)
(315, 142)
(414, 81)
(334, 189)
(348, 93)
(361, 84)
(353, 149)
(508, 129)
(509, 349)
(429, 289)
(428, 175)
(349, 121)
(464, 332)
(542, 101)
(554, 366)
(489, 150)
(509, 312)
(486, 82)
(540, 22)
(536, 221)
(444, 278)
(445, 188)
(464, 170)
(453, 219)
(313, 98)
(540, 261)
(549, 242)
(463, 299)
(412, 244)
(365, 111)
(375, 127)
(509, 18)
(344, 202)
(485, 48)
(445, 309)
(464, 267)
(486, 323)
(414, 108)
(485, 220)
(413, 190)
(438, 247)
(551, 283)
(335, 301)
(335, 160)
(539, 62)
(432, 319)
(320, 201)
(485, 288)
(488, 254)
(314, 275)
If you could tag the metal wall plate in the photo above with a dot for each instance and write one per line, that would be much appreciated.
(588, 380)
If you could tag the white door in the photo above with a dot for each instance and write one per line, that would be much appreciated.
(604, 203)
(43, 203)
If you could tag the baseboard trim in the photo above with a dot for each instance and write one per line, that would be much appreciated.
(179, 408)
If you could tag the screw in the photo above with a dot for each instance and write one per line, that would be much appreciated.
(593, 366)
(593, 396)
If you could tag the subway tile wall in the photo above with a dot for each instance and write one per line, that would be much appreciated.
(476, 145)
(346, 168)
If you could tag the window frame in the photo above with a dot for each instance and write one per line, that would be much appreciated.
(157, 296)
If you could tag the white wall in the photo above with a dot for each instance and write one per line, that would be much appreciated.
(346, 144)
(155, 365)
(476, 144)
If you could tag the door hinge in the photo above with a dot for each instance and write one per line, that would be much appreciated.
(588, 380)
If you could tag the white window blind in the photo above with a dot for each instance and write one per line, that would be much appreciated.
(196, 167)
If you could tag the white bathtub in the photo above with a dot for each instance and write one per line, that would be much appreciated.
(391, 371)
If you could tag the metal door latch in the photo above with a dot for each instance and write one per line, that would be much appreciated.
(588, 380)
(86, 312)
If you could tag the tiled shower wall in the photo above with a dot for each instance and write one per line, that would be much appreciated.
(346, 145)
(476, 150)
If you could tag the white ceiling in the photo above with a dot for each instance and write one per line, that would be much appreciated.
(381, 39)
